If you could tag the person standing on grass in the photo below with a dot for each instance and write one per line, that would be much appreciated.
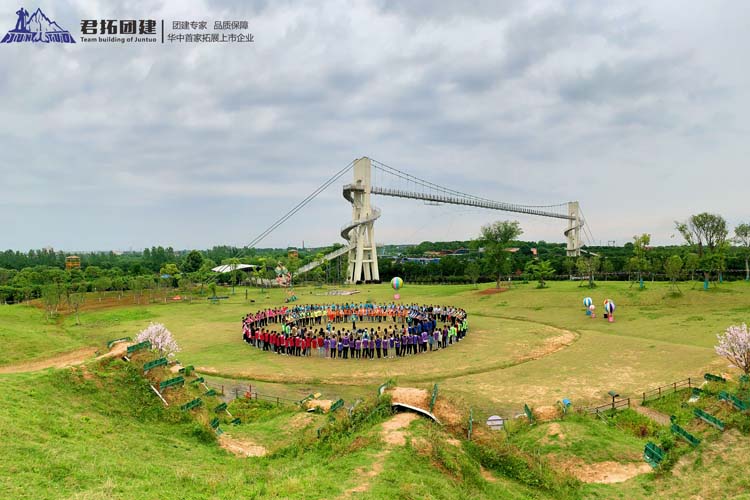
(327, 345)
(378, 345)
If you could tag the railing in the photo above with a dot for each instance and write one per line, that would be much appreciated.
(666, 389)
(617, 404)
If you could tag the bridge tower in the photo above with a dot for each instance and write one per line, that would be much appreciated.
(573, 233)
(363, 255)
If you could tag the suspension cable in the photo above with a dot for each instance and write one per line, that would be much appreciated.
(300, 205)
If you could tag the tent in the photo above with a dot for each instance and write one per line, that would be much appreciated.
(226, 268)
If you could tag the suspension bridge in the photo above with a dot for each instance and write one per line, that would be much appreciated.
(359, 232)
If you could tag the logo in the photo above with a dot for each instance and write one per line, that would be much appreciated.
(36, 28)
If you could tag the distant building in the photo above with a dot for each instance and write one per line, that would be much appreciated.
(422, 260)
(72, 262)
(292, 253)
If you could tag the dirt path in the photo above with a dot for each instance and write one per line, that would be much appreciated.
(60, 361)
(241, 448)
(657, 416)
(65, 360)
(602, 472)
(393, 434)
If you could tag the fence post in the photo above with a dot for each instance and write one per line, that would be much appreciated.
(277, 401)
(644, 397)
(689, 383)
(628, 402)
(659, 391)
(675, 386)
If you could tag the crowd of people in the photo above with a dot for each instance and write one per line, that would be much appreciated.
(393, 330)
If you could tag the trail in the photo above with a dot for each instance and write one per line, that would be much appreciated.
(65, 360)
(657, 416)
(393, 434)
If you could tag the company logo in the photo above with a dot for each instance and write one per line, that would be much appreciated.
(36, 28)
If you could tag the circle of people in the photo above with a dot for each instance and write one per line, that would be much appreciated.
(394, 330)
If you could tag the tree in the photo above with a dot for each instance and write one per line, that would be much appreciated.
(707, 233)
(742, 238)
(161, 339)
(186, 285)
(734, 345)
(51, 297)
(638, 262)
(540, 271)
(495, 237)
(673, 269)
(473, 272)
(193, 261)
(568, 265)
(233, 262)
(607, 268)
(76, 295)
(692, 261)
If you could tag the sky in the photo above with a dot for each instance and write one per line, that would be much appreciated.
(636, 109)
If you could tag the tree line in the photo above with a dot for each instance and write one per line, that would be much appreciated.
(708, 251)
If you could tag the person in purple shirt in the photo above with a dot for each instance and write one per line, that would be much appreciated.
(388, 344)
(378, 345)
(366, 346)
(326, 345)
(358, 347)
(424, 341)
(345, 341)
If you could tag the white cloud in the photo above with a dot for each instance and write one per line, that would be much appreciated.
(635, 110)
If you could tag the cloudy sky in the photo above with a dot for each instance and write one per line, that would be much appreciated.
(637, 109)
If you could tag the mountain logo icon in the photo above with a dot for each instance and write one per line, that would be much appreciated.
(36, 28)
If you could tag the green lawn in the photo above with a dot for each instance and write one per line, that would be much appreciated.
(102, 434)
(490, 369)
(106, 437)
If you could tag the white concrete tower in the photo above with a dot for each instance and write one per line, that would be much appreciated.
(363, 256)
(573, 233)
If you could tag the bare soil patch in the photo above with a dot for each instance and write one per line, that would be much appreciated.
(393, 434)
(546, 413)
(602, 472)
(323, 404)
(492, 291)
(410, 396)
(241, 448)
(487, 475)
(60, 361)
(448, 414)
(392, 429)
(554, 429)
(550, 346)
(66, 360)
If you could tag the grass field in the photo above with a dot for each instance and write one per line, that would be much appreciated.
(525, 345)
(512, 355)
